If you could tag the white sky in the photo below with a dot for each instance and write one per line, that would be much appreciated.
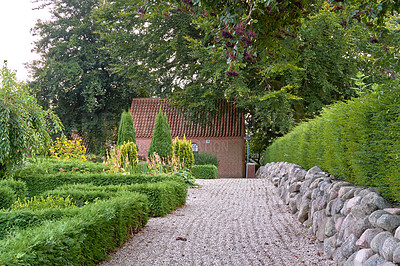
(16, 20)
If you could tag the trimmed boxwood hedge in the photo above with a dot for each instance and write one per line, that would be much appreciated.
(163, 197)
(39, 183)
(13, 221)
(205, 171)
(358, 141)
(84, 239)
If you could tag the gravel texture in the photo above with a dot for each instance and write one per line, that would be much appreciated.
(224, 222)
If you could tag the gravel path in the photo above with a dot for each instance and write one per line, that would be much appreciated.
(224, 222)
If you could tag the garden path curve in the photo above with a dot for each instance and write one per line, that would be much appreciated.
(224, 222)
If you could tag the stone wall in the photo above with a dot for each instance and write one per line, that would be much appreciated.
(356, 225)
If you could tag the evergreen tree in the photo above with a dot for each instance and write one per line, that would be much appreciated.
(126, 131)
(183, 150)
(161, 142)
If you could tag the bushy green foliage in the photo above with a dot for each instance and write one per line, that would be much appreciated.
(24, 125)
(129, 154)
(142, 168)
(84, 239)
(163, 196)
(80, 87)
(7, 197)
(40, 203)
(184, 151)
(126, 131)
(161, 141)
(82, 194)
(19, 187)
(205, 171)
(187, 176)
(12, 221)
(203, 158)
(357, 141)
(53, 166)
(39, 183)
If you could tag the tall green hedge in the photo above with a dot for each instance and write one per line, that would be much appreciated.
(358, 141)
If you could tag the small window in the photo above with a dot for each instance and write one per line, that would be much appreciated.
(195, 147)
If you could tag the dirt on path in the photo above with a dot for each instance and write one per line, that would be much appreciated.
(224, 222)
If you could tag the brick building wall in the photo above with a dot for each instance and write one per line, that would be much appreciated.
(223, 137)
(230, 152)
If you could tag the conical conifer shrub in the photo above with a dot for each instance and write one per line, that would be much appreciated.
(126, 131)
(161, 142)
(183, 150)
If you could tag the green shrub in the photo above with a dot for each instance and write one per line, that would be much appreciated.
(187, 177)
(19, 187)
(37, 184)
(161, 141)
(205, 171)
(126, 131)
(183, 150)
(12, 221)
(357, 141)
(84, 239)
(204, 158)
(7, 197)
(81, 194)
(142, 168)
(163, 197)
(129, 154)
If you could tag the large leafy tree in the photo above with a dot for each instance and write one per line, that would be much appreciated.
(279, 61)
(25, 127)
(73, 76)
(153, 51)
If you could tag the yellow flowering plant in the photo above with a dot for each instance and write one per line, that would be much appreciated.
(65, 149)
(114, 155)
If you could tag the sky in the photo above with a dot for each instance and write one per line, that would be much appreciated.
(16, 42)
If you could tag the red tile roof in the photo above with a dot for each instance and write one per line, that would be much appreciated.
(144, 111)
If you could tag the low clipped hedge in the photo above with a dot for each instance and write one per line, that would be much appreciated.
(83, 239)
(358, 141)
(19, 187)
(163, 197)
(54, 166)
(38, 183)
(205, 171)
(10, 191)
(16, 220)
